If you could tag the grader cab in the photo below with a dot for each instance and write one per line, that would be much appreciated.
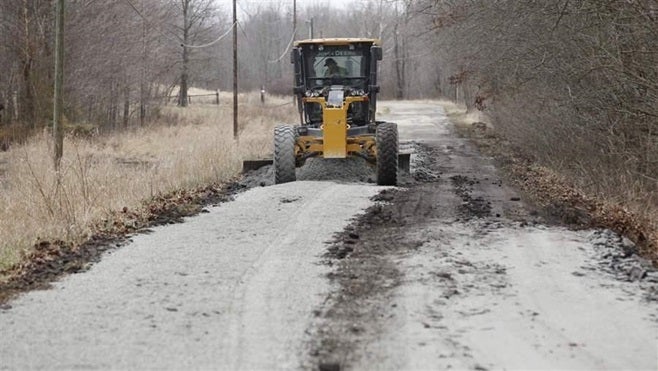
(336, 88)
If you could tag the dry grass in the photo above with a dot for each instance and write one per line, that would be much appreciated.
(622, 207)
(100, 175)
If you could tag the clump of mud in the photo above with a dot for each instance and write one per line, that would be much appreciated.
(471, 206)
(258, 178)
(424, 163)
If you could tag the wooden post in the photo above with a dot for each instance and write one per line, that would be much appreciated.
(235, 72)
(59, 80)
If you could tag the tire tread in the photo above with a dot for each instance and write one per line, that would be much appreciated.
(387, 143)
(284, 154)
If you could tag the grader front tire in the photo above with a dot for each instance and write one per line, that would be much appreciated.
(284, 154)
(387, 143)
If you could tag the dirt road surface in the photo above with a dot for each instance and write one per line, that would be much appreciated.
(450, 271)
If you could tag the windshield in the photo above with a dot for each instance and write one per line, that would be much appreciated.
(348, 63)
(325, 63)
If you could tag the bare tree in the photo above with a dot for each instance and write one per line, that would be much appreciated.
(26, 31)
(196, 17)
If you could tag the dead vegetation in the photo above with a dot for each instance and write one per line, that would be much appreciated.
(572, 85)
(561, 196)
(103, 176)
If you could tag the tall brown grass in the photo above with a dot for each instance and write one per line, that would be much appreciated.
(186, 148)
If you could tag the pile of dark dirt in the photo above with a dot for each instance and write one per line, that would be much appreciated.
(423, 158)
(364, 272)
(344, 170)
(471, 206)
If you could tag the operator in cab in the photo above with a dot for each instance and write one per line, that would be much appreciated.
(333, 69)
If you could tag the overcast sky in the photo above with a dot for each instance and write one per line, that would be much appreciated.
(247, 5)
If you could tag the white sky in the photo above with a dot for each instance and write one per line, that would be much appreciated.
(301, 4)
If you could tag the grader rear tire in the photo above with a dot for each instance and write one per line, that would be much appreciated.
(386, 139)
(284, 154)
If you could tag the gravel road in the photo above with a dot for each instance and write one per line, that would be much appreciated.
(450, 271)
(235, 288)
(456, 272)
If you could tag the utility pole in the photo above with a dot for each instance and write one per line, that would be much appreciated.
(310, 28)
(294, 19)
(59, 81)
(235, 72)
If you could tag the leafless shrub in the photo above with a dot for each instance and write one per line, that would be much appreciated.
(573, 83)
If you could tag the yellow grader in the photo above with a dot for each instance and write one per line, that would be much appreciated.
(335, 83)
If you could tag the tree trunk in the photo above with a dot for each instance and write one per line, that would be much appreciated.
(469, 98)
(399, 66)
(58, 100)
(126, 105)
(28, 106)
(142, 80)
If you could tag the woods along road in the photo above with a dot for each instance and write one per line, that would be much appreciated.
(450, 270)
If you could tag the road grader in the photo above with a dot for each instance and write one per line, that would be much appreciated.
(335, 84)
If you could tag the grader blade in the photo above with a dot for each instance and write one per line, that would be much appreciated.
(404, 162)
(250, 165)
